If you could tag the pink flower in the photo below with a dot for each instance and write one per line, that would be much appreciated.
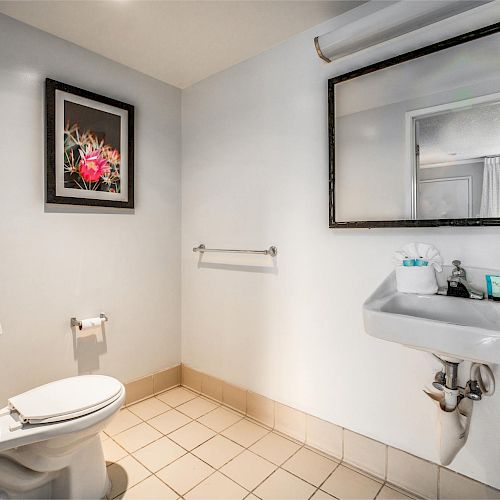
(92, 165)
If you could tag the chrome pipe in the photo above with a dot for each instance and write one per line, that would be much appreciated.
(272, 250)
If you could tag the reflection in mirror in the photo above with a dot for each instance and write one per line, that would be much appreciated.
(415, 140)
(458, 160)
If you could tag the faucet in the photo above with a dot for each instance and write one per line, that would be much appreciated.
(458, 286)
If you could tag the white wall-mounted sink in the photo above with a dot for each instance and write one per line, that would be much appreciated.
(452, 327)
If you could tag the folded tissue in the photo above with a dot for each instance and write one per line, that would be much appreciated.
(416, 266)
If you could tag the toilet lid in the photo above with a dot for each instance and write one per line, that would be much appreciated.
(65, 399)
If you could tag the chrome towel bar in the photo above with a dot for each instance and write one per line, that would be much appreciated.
(272, 251)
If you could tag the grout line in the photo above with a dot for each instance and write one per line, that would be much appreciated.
(363, 472)
(152, 395)
(379, 490)
(328, 477)
(302, 445)
(438, 484)
(386, 462)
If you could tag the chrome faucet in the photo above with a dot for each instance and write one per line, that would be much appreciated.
(458, 286)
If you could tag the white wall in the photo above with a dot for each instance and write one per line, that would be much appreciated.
(77, 262)
(255, 171)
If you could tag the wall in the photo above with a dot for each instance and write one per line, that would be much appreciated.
(60, 262)
(255, 172)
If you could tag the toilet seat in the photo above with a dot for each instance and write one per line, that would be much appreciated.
(65, 399)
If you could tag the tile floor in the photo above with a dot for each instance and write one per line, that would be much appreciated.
(182, 445)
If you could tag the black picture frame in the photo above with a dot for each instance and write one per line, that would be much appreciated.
(393, 61)
(51, 86)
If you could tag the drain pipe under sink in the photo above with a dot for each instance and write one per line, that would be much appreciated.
(454, 404)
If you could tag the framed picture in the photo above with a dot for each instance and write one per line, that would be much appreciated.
(90, 148)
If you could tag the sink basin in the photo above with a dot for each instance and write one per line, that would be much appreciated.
(455, 328)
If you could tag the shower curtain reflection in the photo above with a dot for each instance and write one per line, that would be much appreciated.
(490, 197)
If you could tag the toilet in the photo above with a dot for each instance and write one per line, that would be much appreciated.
(49, 439)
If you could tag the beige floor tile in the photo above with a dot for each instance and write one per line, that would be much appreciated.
(177, 396)
(197, 407)
(411, 473)
(325, 436)
(212, 386)
(275, 448)
(248, 469)
(234, 396)
(103, 436)
(387, 493)
(322, 495)
(191, 378)
(283, 485)
(457, 487)
(347, 484)
(136, 437)
(150, 489)
(149, 408)
(365, 453)
(217, 487)
(185, 473)
(124, 474)
(191, 435)
(290, 421)
(220, 419)
(218, 451)
(260, 408)
(112, 451)
(245, 432)
(310, 466)
(159, 454)
(121, 422)
(251, 497)
(169, 421)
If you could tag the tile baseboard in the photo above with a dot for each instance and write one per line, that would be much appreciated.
(406, 472)
(148, 386)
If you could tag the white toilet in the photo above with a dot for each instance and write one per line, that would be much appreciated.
(49, 439)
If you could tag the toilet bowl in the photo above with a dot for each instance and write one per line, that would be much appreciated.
(49, 439)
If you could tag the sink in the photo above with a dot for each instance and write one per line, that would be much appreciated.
(453, 327)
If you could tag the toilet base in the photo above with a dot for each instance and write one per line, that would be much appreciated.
(84, 476)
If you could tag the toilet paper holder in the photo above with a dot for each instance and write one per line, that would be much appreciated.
(78, 322)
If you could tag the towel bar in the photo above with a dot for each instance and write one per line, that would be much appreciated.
(272, 250)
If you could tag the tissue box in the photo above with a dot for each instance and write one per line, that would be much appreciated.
(416, 279)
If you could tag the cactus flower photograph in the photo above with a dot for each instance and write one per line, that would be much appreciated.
(92, 158)
(91, 149)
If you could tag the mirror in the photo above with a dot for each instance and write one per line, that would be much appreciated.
(415, 140)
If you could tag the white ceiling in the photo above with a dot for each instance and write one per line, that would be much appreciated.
(460, 135)
(178, 42)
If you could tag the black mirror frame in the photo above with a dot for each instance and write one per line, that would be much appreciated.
(408, 56)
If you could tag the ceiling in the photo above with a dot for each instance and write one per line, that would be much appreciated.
(459, 135)
(178, 42)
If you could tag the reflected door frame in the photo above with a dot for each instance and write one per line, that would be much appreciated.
(412, 147)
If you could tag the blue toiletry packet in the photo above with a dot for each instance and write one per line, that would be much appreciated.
(421, 262)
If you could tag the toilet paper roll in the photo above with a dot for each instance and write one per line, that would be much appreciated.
(88, 326)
